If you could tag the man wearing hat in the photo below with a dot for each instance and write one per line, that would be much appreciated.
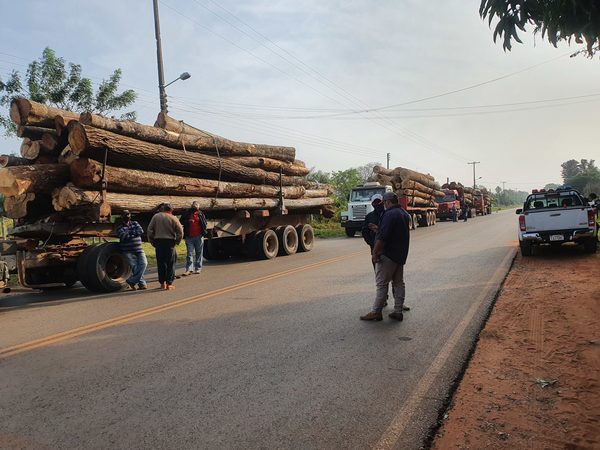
(389, 256)
(130, 242)
(165, 233)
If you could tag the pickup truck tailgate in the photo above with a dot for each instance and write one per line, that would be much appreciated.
(556, 219)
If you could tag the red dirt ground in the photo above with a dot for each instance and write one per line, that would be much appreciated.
(545, 326)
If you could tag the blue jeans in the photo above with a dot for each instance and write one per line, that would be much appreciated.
(138, 263)
(193, 262)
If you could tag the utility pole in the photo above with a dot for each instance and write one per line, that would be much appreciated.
(388, 161)
(473, 163)
(159, 59)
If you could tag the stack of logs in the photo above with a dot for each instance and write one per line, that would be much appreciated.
(66, 158)
(464, 192)
(420, 189)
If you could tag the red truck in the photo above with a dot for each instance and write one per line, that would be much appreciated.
(445, 203)
(482, 201)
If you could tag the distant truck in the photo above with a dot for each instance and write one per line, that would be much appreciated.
(359, 205)
(482, 203)
(556, 217)
(445, 203)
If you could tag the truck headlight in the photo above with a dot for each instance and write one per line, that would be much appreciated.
(344, 218)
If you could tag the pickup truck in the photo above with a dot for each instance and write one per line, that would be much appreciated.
(556, 217)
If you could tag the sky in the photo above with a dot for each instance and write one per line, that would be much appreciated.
(345, 82)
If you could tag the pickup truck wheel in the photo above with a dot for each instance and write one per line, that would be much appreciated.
(306, 238)
(525, 248)
(590, 246)
(350, 232)
(288, 240)
(105, 267)
(266, 244)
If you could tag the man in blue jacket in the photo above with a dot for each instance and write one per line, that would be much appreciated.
(389, 256)
(130, 241)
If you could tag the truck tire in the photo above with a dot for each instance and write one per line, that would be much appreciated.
(415, 221)
(265, 244)
(306, 238)
(423, 220)
(433, 218)
(82, 273)
(105, 267)
(350, 232)
(525, 248)
(288, 240)
(590, 246)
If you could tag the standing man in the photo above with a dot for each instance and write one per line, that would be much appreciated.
(165, 233)
(194, 229)
(454, 213)
(389, 256)
(130, 242)
(465, 211)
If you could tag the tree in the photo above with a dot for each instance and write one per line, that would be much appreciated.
(343, 181)
(551, 186)
(570, 168)
(366, 171)
(319, 176)
(51, 81)
(558, 20)
(584, 178)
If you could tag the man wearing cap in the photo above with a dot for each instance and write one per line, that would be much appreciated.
(389, 256)
(130, 242)
(194, 229)
(164, 233)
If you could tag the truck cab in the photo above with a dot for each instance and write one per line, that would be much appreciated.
(359, 205)
(445, 203)
(556, 217)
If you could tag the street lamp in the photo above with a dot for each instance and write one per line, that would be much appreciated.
(163, 92)
(183, 76)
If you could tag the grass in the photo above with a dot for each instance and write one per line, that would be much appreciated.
(151, 252)
(328, 229)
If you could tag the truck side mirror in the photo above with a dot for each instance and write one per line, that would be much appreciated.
(519, 211)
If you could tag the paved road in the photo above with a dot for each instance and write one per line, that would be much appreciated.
(264, 354)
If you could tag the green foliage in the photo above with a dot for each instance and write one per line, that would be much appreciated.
(366, 171)
(327, 228)
(579, 174)
(343, 181)
(318, 176)
(570, 168)
(50, 80)
(509, 197)
(557, 20)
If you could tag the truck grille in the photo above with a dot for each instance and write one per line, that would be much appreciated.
(359, 212)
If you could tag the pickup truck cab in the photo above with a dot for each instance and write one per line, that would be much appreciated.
(556, 217)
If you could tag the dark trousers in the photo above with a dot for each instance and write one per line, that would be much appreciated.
(165, 259)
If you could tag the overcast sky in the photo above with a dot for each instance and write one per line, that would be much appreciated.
(304, 73)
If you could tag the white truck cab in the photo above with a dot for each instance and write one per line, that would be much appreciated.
(359, 205)
(556, 217)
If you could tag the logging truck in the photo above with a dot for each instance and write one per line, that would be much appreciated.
(359, 205)
(78, 172)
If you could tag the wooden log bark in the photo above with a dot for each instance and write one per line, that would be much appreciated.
(30, 206)
(124, 151)
(203, 143)
(40, 178)
(67, 156)
(28, 112)
(34, 133)
(317, 193)
(178, 126)
(30, 149)
(12, 160)
(271, 165)
(406, 174)
(69, 197)
(87, 173)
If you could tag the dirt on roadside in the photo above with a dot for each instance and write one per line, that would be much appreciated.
(534, 379)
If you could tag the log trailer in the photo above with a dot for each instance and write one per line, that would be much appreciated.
(52, 255)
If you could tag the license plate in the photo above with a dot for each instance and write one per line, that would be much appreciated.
(557, 237)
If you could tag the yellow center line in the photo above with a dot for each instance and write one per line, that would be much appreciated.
(86, 329)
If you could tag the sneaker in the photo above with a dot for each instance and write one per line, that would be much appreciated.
(186, 273)
(406, 308)
(396, 316)
(142, 287)
(197, 271)
(132, 287)
(372, 316)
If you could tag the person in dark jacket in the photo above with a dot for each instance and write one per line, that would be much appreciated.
(389, 256)
(130, 242)
(465, 211)
(369, 229)
(194, 229)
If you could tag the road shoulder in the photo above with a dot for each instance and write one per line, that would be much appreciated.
(533, 378)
